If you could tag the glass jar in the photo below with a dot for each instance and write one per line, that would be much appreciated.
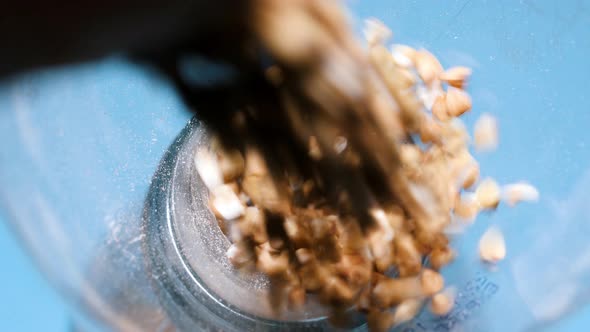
(138, 251)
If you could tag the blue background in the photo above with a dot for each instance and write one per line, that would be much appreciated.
(27, 301)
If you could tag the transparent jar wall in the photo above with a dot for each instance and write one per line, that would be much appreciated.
(80, 147)
(81, 144)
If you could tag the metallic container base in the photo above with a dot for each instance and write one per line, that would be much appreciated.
(186, 250)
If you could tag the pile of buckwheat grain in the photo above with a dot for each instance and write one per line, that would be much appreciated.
(384, 172)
